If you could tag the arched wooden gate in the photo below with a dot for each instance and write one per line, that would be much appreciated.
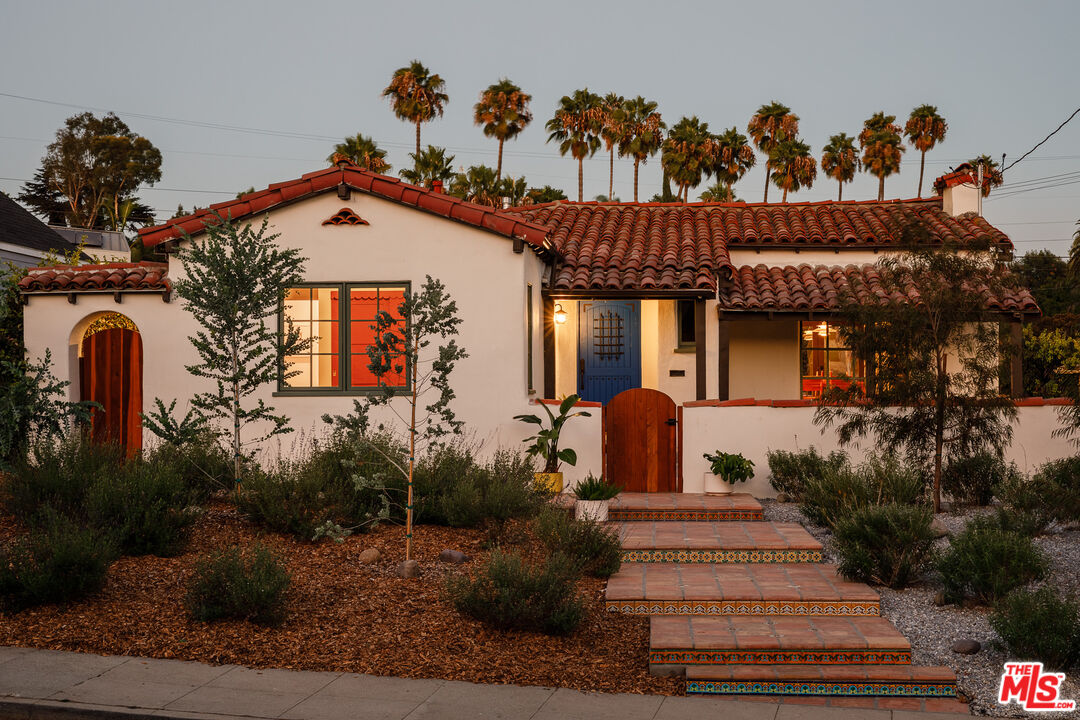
(641, 441)
(110, 373)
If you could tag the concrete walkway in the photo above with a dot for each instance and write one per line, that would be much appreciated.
(52, 684)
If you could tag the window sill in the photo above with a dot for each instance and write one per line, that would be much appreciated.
(685, 349)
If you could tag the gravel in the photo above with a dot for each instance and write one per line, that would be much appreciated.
(933, 629)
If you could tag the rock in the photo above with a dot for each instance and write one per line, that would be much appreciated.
(453, 556)
(369, 556)
(938, 528)
(966, 647)
(939, 599)
(782, 497)
(408, 569)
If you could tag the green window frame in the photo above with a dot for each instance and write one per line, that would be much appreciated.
(340, 363)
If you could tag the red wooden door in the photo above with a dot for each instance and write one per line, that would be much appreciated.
(640, 432)
(110, 373)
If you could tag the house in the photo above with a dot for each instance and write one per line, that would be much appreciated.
(705, 310)
(24, 239)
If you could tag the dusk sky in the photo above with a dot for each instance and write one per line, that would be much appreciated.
(241, 94)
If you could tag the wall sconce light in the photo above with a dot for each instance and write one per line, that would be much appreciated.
(560, 314)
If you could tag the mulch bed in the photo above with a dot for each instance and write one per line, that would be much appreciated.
(343, 616)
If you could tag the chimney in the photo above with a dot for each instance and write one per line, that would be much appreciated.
(959, 191)
(436, 186)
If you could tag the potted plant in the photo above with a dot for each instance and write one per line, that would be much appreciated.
(726, 470)
(593, 495)
(545, 442)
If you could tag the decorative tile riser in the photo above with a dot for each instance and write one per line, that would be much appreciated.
(779, 657)
(721, 556)
(771, 608)
(690, 515)
(914, 690)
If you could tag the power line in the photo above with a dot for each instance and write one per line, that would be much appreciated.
(1014, 162)
(148, 187)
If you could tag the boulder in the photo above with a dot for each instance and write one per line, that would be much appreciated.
(453, 556)
(966, 647)
(937, 527)
(782, 497)
(369, 556)
(939, 599)
(408, 569)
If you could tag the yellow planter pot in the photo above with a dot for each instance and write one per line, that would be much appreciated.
(549, 481)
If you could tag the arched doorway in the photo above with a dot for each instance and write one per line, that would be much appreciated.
(641, 441)
(110, 374)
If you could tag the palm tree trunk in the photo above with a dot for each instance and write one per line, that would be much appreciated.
(580, 180)
(636, 161)
(922, 166)
(498, 167)
(881, 188)
(730, 193)
(784, 198)
(418, 139)
(611, 176)
(840, 195)
(766, 182)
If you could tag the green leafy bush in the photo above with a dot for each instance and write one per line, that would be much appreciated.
(1039, 625)
(453, 489)
(985, 562)
(1028, 504)
(972, 479)
(839, 491)
(1063, 476)
(239, 584)
(790, 471)
(147, 507)
(59, 474)
(204, 466)
(508, 593)
(595, 548)
(595, 488)
(885, 544)
(59, 561)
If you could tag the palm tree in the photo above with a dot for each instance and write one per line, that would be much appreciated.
(416, 95)
(644, 133)
(514, 190)
(769, 126)
(429, 166)
(925, 129)
(503, 111)
(992, 176)
(612, 130)
(576, 126)
(793, 166)
(882, 148)
(840, 160)
(1074, 255)
(734, 157)
(719, 192)
(362, 151)
(687, 154)
(477, 184)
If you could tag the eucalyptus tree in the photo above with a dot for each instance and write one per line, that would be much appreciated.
(416, 95)
(793, 166)
(768, 127)
(840, 160)
(431, 165)
(882, 148)
(576, 126)
(612, 131)
(362, 151)
(643, 133)
(688, 154)
(734, 158)
(925, 129)
(503, 112)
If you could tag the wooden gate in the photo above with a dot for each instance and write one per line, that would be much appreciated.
(110, 373)
(640, 441)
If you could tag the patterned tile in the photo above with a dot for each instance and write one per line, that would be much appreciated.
(703, 515)
(721, 556)
(774, 657)
(709, 687)
(742, 607)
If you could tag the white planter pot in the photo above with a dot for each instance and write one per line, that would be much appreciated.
(715, 485)
(595, 510)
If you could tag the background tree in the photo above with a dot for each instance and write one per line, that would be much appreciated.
(882, 148)
(718, 192)
(43, 199)
(793, 166)
(93, 164)
(477, 184)
(932, 365)
(576, 127)
(925, 129)
(992, 176)
(643, 133)
(768, 127)
(1052, 342)
(688, 153)
(1074, 255)
(840, 160)
(613, 131)
(234, 283)
(416, 95)
(429, 166)
(363, 152)
(546, 194)
(503, 112)
(734, 157)
(515, 190)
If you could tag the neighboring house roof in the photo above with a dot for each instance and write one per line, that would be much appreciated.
(388, 188)
(964, 174)
(18, 226)
(678, 246)
(112, 277)
(808, 288)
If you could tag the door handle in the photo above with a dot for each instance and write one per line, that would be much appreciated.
(671, 421)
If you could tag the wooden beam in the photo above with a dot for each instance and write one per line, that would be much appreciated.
(699, 348)
(723, 389)
(1016, 355)
(549, 348)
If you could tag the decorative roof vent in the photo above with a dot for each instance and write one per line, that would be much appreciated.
(345, 216)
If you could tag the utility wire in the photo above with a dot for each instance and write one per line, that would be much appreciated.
(1014, 162)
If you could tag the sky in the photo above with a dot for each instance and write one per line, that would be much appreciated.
(244, 94)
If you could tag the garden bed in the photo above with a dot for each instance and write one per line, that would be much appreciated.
(343, 616)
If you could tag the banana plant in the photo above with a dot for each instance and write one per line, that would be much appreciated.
(545, 442)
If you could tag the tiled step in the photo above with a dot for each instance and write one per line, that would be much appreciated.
(737, 589)
(879, 702)
(822, 680)
(684, 506)
(717, 542)
(680, 641)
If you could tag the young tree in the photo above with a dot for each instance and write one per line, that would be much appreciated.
(234, 282)
(401, 349)
(924, 327)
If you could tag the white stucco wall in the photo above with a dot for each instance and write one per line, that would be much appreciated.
(764, 359)
(781, 256)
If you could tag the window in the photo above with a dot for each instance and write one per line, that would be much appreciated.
(825, 361)
(685, 324)
(340, 320)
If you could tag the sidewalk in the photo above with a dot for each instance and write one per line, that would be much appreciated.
(52, 684)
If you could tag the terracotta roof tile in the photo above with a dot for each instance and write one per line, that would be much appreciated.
(140, 276)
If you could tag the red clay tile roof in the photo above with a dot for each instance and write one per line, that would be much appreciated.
(364, 181)
(111, 277)
(791, 288)
(623, 246)
(963, 174)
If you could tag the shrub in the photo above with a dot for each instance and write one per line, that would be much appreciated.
(595, 488)
(204, 466)
(595, 548)
(59, 561)
(59, 475)
(509, 594)
(1063, 476)
(148, 508)
(886, 544)
(1028, 504)
(790, 471)
(1039, 625)
(239, 584)
(841, 490)
(453, 489)
(985, 562)
(972, 479)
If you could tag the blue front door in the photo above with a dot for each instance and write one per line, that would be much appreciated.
(609, 348)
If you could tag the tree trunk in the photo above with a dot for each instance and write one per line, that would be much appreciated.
(840, 195)
(636, 161)
(498, 167)
(417, 139)
(939, 426)
(580, 180)
(412, 455)
(766, 182)
(784, 198)
(922, 166)
(881, 188)
(611, 177)
(236, 417)
(730, 193)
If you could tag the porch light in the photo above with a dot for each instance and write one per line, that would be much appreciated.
(560, 314)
